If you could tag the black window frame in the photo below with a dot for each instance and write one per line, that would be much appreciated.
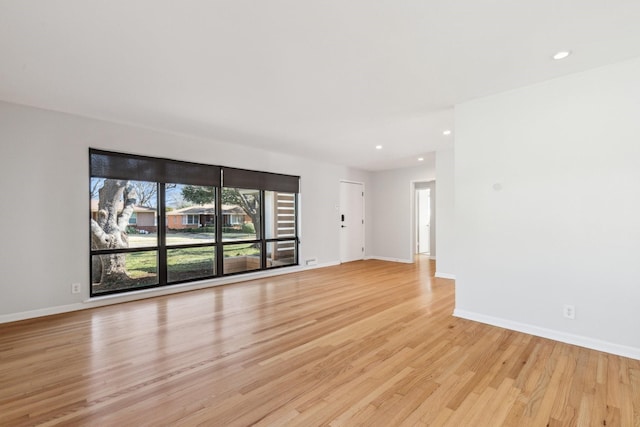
(162, 171)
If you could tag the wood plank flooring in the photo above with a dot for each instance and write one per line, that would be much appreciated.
(368, 343)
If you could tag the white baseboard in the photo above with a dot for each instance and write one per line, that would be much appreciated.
(383, 258)
(323, 265)
(156, 292)
(579, 340)
(432, 258)
(441, 275)
(49, 311)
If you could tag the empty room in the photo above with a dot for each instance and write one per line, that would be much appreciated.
(310, 213)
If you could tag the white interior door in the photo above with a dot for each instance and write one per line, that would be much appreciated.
(423, 215)
(351, 221)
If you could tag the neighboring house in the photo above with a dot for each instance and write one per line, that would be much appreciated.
(203, 216)
(142, 218)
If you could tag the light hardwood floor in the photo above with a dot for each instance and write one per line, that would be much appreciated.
(365, 343)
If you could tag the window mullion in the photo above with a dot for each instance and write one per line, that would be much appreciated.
(263, 242)
(219, 249)
(162, 234)
(296, 260)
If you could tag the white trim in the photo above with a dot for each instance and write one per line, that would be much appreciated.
(349, 181)
(151, 293)
(441, 275)
(579, 340)
(384, 258)
(323, 265)
(433, 258)
(14, 317)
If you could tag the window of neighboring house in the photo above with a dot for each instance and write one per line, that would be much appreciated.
(236, 219)
(175, 254)
(190, 219)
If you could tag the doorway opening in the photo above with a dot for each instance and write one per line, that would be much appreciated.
(424, 218)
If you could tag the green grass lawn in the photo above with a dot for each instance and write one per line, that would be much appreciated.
(143, 264)
(240, 249)
(183, 264)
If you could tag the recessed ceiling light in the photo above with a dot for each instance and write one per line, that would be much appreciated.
(446, 132)
(378, 147)
(420, 159)
(562, 54)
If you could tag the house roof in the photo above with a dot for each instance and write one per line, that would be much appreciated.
(206, 209)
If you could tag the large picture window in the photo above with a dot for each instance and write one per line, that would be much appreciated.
(156, 222)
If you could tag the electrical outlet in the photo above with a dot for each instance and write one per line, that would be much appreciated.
(75, 288)
(569, 311)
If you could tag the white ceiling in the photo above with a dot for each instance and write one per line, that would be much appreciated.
(324, 78)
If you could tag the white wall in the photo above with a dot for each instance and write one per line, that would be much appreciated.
(390, 199)
(445, 230)
(44, 183)
(547, 203)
